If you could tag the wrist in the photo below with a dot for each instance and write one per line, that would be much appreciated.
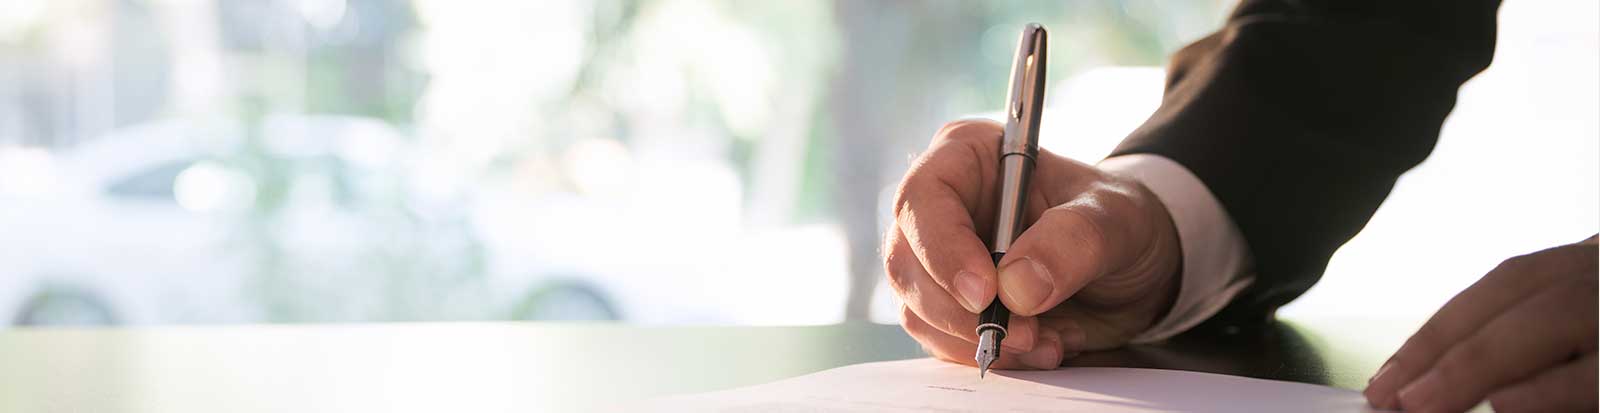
(1173, 249)
(1211, 262)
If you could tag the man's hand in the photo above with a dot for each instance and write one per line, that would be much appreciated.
(1522, 337)
(1097, 264)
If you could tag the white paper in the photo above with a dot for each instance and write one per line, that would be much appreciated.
(928, 385)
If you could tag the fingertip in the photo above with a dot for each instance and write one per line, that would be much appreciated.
(907, 317)
(1380, 389)
(1022, 334)
(1420, 394)
(1046, 353)
(1074, 338)
(1377, 400)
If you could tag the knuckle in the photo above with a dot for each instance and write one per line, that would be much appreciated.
(905, 290)
(898, 278)
(921, 184)
(1083, 225)
(891, 273)
(968, 129)
(891, 239)
(1514, 265)
(902, 199)
(886, 250)
(917, 180)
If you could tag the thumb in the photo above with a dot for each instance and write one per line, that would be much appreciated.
(1069, 246)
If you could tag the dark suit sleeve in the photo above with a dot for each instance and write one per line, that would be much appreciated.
(1300, 115)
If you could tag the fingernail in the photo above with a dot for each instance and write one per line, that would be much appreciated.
(974, 291)
(1026, 285)
(1045, 355)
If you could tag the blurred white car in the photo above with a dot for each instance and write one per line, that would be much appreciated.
(331, 218)
(184, 222)
(102, 224)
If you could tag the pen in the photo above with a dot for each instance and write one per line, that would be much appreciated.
(1019, 146)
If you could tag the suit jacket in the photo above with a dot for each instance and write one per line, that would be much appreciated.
(1300, 115)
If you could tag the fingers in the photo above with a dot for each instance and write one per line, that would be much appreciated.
(1082, 330)
(1046, 354)
(1511, 282)
(1536, 334)
(1068, 247)
(934, 208)
(1074, 337)
(1567, 388)
(936, 307)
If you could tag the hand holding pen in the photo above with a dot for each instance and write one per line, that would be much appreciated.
(1018, 148)
(1092, 262)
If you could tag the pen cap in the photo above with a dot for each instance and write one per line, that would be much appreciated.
(1025, 98)
(1020, 145)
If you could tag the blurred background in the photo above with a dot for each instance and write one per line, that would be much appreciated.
(650, 161)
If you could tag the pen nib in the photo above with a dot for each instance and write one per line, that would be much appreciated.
(988, 351)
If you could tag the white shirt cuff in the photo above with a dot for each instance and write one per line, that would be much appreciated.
(1216, 261)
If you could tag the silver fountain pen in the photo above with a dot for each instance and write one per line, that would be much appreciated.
(1019, 146)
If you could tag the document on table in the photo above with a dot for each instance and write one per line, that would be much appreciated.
(932, 385)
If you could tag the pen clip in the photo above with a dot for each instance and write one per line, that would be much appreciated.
(1025, 98)
(1022, 76)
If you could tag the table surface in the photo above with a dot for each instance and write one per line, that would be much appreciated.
(556, 366)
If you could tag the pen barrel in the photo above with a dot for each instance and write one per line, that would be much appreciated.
(1015, 171)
